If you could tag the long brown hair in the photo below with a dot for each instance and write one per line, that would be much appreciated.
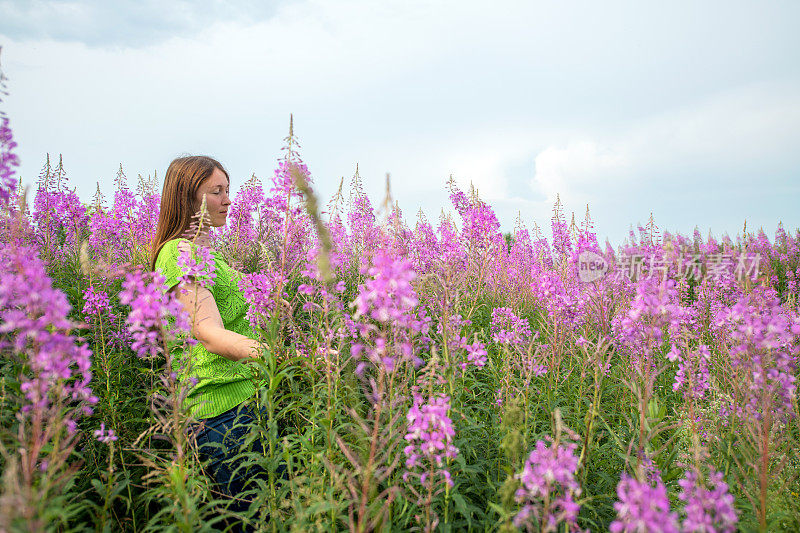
(181, 183)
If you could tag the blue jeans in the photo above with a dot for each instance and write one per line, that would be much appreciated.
(219, 442)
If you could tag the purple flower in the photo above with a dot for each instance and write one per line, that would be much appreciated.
(459, 199)
(424, 246)
(430, 436)
(508, 328)
(650, 469)
(765, 349)
(151, 310)
(709, 506)
(306, 289)
(385, 317)
(198, 264)
(361, 219)
(96, 303)
(33, 324)
(388, 296)
(481, 228)
(240, 217)
(642, 507)
(548, 487)
(562, 245)
(117, 233)
(58, 214)
(104, 435)
(259, 289)
(480, 234)
(8, 162)
(561, 301)
(693, 372)
(640, 331)
(476, 355)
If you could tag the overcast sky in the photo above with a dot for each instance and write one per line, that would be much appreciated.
(689, 110)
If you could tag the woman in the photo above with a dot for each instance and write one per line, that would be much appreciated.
(219, 321)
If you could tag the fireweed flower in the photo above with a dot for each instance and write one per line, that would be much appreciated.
(459, 199)
(388, 299)
(57, 211)
(476, 355)
(104, 435)
(240, 217)
(151, 308)
(649, 468)
(480, 233)
(587, 242)
(282, 213)
(361, 219)
(33, 324)
(656, 301)
(641, 330)
(389, 296)
(562, 245)
(481, 228)
(452, 328)
(96, 303)
(197, 263)
(338, 255)
(283, 189)
(430, 438)
(146, 217)
(8, 162)
(452, 252)
(708, 506)
(508, 328)
(129, 220)
(54, 380)
(548, 487)
(260, 291)
(124, 198)
(521, 259)
(424, 245)
(693, 372)
(765, 347)
(560, 301)
(459, 345)
(642, 507)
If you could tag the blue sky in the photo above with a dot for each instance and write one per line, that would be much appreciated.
(688, 110)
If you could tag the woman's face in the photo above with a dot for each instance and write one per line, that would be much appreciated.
(216, 189)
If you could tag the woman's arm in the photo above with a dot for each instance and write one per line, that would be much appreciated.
(207, 326)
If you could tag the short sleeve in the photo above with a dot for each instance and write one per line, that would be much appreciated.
(167, 263)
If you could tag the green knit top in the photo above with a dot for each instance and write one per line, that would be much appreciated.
(222, 384)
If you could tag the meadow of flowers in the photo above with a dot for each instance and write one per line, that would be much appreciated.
(440, 376)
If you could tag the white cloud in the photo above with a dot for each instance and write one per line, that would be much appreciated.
(733, 129)
(581, 100)
(758, 120)
(123, 22)
(484, 158)
(578, 171)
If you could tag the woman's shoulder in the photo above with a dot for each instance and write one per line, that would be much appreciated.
(169, 248)
(168, 254)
